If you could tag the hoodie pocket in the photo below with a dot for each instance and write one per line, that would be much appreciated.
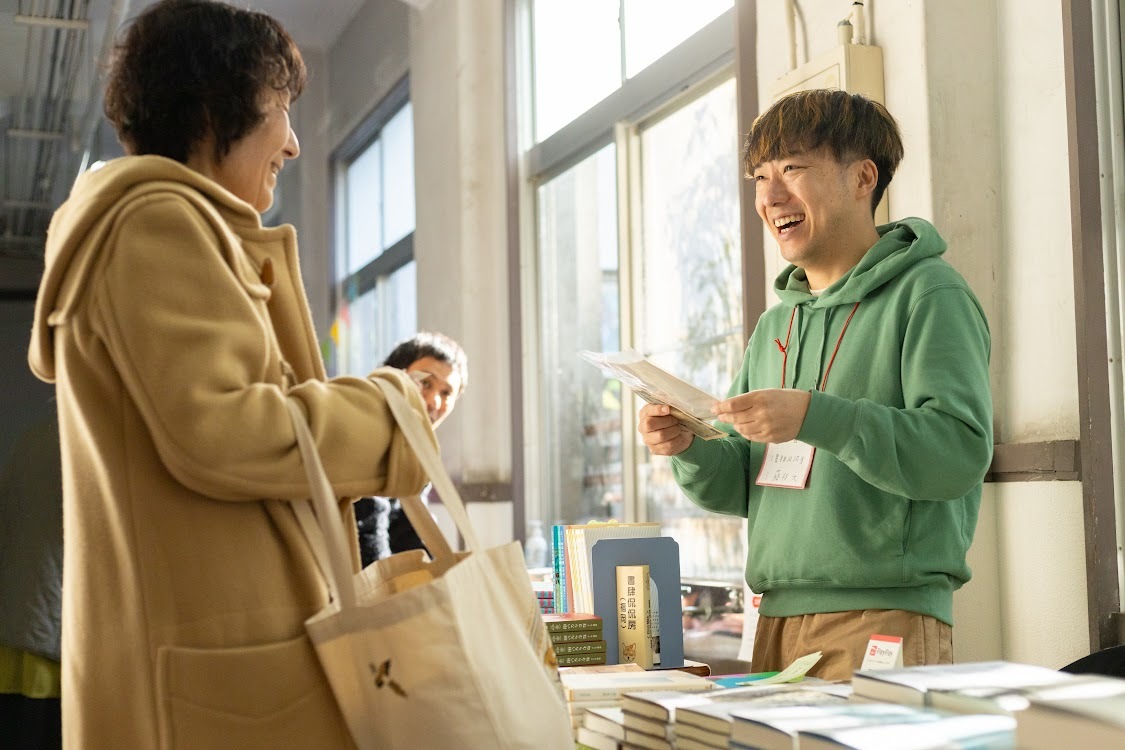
(250, 697)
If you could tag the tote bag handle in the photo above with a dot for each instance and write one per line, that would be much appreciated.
(325, 531)
(407, 420)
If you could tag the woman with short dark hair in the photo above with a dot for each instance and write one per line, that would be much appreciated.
(175, 328)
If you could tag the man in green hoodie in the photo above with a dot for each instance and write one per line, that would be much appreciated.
(860, 422)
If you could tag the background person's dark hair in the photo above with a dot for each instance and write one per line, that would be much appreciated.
(186, 68)
(851, 126)
(430, 344)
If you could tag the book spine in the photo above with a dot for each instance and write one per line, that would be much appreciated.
(576, 636)
(634, 642)
(573, 571)
(568, 571)
(592, 694)
(556, 566)
(581, 647)
(572, 660)
(654, 620)
(568, 625)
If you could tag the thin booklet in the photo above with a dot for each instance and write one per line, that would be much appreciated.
(690, 405)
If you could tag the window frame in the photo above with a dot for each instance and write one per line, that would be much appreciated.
(398, 255)
(720, 49)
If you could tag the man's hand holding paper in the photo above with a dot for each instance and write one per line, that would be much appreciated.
(662, 433)
(689, 405)
(769, 415)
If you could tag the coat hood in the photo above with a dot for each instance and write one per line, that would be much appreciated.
(79, 228)
(901, 245)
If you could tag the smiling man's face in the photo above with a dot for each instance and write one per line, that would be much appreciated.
(440, 385)
(809, 203)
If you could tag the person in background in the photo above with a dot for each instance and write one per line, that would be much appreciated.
(860, 423)
(176, 330)
(31, 551)
(439, 366)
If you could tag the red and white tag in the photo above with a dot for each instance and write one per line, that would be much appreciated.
(786, 465)
(883, 652)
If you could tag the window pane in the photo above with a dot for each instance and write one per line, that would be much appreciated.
(689, 299)
(653, 27)
(378, 319)
(577, 51)
(398, 176)
(359, 340)
(364, 208)
(399, 306)
(578, 272)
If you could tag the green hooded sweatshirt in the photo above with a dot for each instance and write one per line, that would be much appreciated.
(903, 437)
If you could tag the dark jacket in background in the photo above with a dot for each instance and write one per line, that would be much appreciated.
(384, 529)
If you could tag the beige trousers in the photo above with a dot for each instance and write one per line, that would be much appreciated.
(842, 637)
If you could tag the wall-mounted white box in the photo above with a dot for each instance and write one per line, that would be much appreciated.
(855, 68)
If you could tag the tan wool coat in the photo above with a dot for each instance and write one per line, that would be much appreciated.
(174, 326)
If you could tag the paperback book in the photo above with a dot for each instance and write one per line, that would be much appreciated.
(717, 716)
(777, 728)
(572, 660)
(571, 621)
(579, 541)
(595, 740)
(1088, 713)
(917, 686)
(616, 684)
(647, 741)
(664, 705)
(686, 734)
(634, 616)
(979, 732)
(575, 636)
(580, 647)
(607, 721)
(644, 724)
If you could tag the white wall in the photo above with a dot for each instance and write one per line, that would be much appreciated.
(303, 189)
(982, 111)
(344, 85)
(457, 75)
(367, 60)
(453, 51)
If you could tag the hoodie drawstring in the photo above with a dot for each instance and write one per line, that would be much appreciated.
(784, 348)
(832, 359)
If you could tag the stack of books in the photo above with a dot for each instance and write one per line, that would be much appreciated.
(866, 726)
(573, 545)
(585, 691)
(1047, 709)
(1087, 713)
(702, 720)
(545, 592)
(709, 724)
(601, 729)
(577, 638)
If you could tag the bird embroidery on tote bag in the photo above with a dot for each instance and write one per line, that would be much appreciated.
(383, 677)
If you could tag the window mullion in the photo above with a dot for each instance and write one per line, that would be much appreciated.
(621, 36)
(629, 249)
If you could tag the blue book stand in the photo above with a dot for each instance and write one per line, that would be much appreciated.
(662, 556)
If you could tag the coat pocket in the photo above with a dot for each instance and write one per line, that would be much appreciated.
(267, 696)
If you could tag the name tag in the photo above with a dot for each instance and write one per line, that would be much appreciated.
(786, 465)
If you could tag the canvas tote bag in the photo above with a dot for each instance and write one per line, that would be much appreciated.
(451, 653)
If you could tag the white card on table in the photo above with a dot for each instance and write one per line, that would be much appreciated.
(883, 652)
